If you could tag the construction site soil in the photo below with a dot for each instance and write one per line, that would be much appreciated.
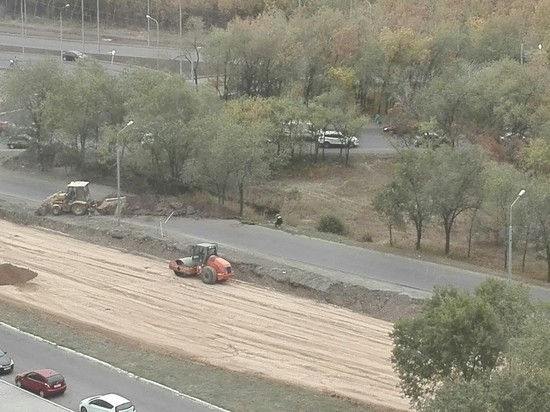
(290, 337)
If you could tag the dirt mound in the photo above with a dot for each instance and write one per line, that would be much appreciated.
(15, 275)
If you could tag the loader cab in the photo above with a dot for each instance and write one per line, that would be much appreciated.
(78, 191)
(201, 252)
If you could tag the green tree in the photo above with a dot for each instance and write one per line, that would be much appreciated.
(502, 184)
(456, 185)
(163, 115)
(522, 386)
(412, 178)
(445, 99)
(28, 89)
(388, 203)
(265, 52)
(456, 336)
(87, 100)
(535, 158)
(538, 199)
(459, 396)
(457, 339)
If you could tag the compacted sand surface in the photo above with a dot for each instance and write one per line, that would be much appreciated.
(233, 325)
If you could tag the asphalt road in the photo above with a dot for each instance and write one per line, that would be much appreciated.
(54, 43)
(87, 377)
(346, 263)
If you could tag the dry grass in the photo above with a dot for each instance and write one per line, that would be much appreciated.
(348, 191)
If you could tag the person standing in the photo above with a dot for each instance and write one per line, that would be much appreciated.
(278, 221)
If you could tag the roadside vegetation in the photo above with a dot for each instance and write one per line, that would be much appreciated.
(280, 75)
(484, 351)
(474, 74)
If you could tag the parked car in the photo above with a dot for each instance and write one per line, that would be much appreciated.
(110, 402)
(71, 56)
(390, 129)
(432, 140)
(6, 363)
(20, 141)
(332, 138)
(299, 128)
(510, 136)
(44, 382)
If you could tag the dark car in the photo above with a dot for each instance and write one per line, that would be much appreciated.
(6, 363)
(20, 141)
(71, 56)
(44, 382)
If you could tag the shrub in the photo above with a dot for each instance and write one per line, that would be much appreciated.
(367, 237)
(331, 224)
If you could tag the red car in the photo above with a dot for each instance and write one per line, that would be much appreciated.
(44, 382)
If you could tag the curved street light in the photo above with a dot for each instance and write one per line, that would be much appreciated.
(118, 207)
(520, 194)
(61, 29)
(158, 51)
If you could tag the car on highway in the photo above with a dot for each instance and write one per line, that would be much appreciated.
(44, 382)
(332, 138)
(6, 363)
(73, 55)
(110, 402)
(20, 141)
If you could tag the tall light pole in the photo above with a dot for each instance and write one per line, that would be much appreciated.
(520, 194)
(370, 10)
(61, 29)
(118, 205)
(98, 35)
(148, 22)
(82, 23)
(23, 23)
(181, 43)
(158, 50)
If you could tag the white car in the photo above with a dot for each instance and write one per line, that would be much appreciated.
(106, 403)
(332, 138)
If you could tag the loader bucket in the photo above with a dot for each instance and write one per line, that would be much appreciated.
(108, 206)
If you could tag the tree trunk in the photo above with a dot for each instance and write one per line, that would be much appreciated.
(448, 223)
(241, 199)
(418, 235)
(524, 251)
(470, 232)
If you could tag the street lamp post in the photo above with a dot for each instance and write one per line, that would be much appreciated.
(520, 194)
(148, 23)
(82, 23)
(370, 10)
(98, 32)
(118, 205)
(23, 23)
(61, 29)
(158, 50)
